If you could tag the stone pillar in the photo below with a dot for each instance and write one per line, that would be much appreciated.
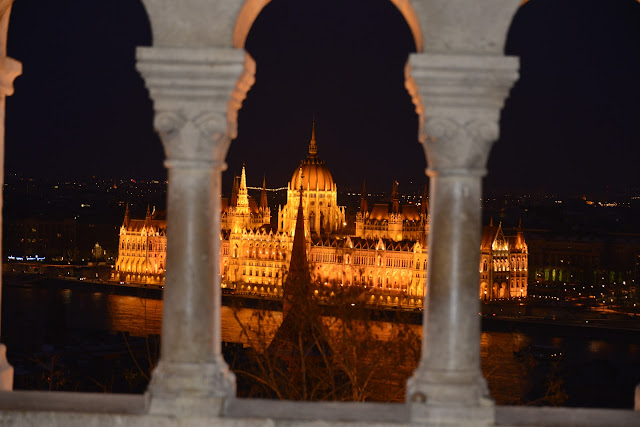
(9, 70)
(195, 116)
(459, 98)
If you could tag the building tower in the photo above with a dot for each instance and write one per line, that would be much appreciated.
(319, 199)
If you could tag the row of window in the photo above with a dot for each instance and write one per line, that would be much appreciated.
(137, 246)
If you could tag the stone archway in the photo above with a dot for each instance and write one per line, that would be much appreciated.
(252, 8)
(464, 78)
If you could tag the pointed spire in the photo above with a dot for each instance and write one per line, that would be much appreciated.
(263, 196)
(243, 179)
(424, 204)
(127, 216)
(234, 192)
(313, 147)
(148, 214)
(243, 196)
(394, 198)
(491, 222)
(363, 198)
(297, 286)
(520, 225)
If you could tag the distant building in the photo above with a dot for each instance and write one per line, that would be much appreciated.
(142, 249)
(504, 262)
(50, 240)
(586, 264)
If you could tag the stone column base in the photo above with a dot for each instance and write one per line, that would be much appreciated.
(190, 389)
(457, 388)
(450, 398)
(468, 416)
(6, 370)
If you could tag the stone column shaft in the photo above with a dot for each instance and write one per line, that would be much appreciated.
(459, 98)
(452, 286)
(9, 70)
(196, 97)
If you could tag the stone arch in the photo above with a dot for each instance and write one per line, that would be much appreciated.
(252, 8)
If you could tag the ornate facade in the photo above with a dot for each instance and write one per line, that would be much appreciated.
(322, 214)
(386, 258)
(504, 262)
(142, 249)
(255, 259)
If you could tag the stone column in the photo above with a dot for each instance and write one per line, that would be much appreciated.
(459, 98)
(9, 70)
(195, 116)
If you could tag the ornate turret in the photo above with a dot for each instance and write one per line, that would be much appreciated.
(127, 216)
(264, 204)
(243, 197)
(313, 147)
(395, 200)
(363, 199)
(520, 244)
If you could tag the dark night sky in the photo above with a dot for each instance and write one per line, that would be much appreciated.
(572, 122)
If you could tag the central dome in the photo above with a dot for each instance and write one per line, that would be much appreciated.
(315, 174)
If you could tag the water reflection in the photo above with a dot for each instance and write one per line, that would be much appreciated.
(592, 372)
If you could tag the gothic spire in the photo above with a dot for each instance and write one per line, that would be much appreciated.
(313, 147)
(243, 179)
(126, 215)
(424, 204)
(394, 198)
(234, 192)
(243, 196)
(363, 199)
(263, 195)
(297, 283)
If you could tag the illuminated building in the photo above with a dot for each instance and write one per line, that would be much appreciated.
(387, 256)
(322, 214)
(504, 264)
(142, 249)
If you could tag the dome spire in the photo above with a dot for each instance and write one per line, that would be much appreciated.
(313, 147)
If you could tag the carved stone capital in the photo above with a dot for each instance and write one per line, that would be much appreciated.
(459, 98)
(194, 95)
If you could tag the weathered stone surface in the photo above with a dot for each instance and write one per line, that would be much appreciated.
(192, 23)
(191, 89)
(458, 98)
(465, 26)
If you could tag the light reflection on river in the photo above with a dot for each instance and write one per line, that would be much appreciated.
(590, 367)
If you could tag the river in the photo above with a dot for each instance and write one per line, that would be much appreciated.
(591, 372)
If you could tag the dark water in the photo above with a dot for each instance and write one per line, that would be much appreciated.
(40, 320)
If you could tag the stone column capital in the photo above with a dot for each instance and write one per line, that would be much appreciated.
(459, 98)
(191, 90)
(9, 70)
